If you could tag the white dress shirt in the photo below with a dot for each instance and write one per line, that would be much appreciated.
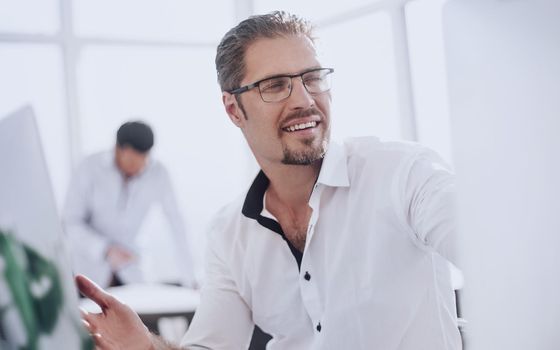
(102, 209)
(374, 272)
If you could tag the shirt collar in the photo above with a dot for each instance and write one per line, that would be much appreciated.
(253, 208)
(253, 205)
(334, 172)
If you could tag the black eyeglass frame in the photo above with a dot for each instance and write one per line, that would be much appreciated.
(248, 87)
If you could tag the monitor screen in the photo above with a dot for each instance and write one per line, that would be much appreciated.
(38, 298)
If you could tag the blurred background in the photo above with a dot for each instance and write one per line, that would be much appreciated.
(476, 80)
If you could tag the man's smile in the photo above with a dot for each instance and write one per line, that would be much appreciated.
(301, 126)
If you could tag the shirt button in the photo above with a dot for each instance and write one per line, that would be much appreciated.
(318, 327)
(307, 276)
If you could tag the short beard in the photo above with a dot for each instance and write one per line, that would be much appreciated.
(306, 157)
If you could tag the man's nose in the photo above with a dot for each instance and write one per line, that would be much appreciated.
(300, 97)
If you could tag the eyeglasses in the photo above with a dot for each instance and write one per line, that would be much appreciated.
(279, 87)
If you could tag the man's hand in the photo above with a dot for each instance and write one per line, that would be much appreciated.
(117, 327)
(119, 257)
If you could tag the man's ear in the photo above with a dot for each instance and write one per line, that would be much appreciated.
(232, 109)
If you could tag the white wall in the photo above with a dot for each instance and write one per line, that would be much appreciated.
(504, 79)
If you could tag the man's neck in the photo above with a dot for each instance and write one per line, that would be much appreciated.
(291, 185)
(288, 199)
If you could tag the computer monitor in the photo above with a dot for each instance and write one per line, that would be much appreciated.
(38, 298)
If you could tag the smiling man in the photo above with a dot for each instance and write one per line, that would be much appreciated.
(333, 246)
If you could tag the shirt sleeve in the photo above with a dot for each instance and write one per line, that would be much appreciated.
(182, 247)
(429, 202)
(82, 237)
(222, 320)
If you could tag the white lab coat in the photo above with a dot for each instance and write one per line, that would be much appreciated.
(103, 209)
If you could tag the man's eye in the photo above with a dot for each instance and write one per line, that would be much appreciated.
(313, 79)
(273, 85)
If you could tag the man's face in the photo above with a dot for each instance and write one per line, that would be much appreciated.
(269, 127)
(129, 161)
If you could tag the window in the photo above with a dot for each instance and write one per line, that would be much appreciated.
(32, 74)
(425, 42)
(167, 20)
(364, 82)
(29, 16)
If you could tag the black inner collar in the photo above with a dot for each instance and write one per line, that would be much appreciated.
(253, 206)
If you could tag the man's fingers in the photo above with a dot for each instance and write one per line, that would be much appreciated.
(102, 343)
(89, 321)
(91, 290)
(87, 325)
(98, 340)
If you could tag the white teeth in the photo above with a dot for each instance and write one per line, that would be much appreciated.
(301, 126)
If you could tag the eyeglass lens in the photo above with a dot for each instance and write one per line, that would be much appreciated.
(279, 88)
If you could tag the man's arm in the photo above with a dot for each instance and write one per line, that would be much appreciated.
(223, 320)
(429, 202)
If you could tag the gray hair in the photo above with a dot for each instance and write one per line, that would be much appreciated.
(230, 56)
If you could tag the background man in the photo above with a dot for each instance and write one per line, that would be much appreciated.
(109, 196)
(333, 246)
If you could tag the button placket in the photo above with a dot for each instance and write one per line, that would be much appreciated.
(308, 287)
(314, 204)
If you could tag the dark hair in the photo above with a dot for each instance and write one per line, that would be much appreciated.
(230, 56)
(137, 135)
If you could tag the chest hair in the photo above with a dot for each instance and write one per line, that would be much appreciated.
(295, 228)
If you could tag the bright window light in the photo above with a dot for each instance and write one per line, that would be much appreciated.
(364, 83)
(29, 16)
(154, 20)
(32, 74)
